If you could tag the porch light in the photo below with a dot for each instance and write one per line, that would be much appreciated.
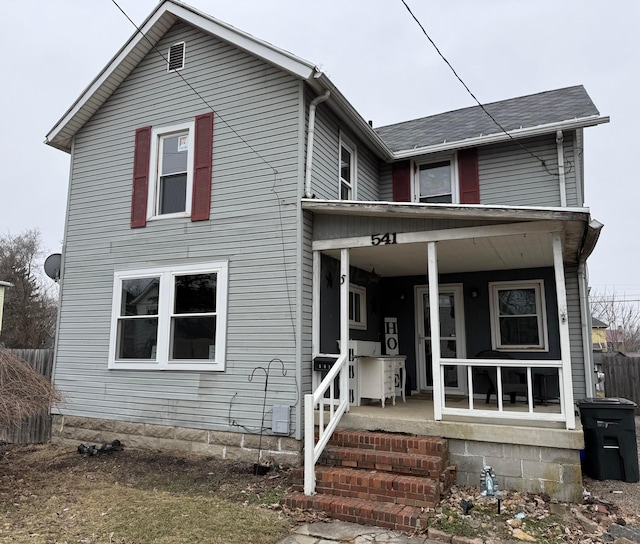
(474, 292)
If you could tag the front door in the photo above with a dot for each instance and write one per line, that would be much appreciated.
(452, 342)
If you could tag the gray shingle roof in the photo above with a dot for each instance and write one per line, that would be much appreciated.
(523, 112)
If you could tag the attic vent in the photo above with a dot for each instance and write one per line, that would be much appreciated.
(176, 57)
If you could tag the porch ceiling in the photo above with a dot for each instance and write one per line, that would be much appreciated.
(468, 255)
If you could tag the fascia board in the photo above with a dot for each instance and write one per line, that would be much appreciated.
(140, 43)
(502, 137)
(458, 211)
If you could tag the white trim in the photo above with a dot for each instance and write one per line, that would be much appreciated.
(452, 159)
(461, 233)
(529, 132)
(362, 292)
(166, 275)
(154, 187)
(345, 142)
(541, 314)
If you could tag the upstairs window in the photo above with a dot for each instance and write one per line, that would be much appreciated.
(518, 317)
(171, 180)
(347, 169)
(435, 182)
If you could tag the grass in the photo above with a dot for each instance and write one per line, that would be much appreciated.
(49, 495)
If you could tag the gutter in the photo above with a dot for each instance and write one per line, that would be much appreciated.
(310, 132)
(539, 130)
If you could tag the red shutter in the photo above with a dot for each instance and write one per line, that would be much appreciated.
(402, 181)
(140, 177)
(201, 201)
(468, 173)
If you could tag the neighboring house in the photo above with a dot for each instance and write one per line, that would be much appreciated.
(598, 335)
(615, 340)
(3, 285)
(264, 220)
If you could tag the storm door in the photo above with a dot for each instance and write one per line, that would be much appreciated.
(452, 342)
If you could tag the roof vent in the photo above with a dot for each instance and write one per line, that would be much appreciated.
(176, 57)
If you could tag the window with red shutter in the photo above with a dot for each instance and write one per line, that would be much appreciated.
(172, 171)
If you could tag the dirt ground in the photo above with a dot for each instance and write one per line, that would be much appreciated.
(52, 494)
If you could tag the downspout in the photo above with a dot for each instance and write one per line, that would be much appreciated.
(563, 188)
(312, 124)
(585, 318)
(591, 235)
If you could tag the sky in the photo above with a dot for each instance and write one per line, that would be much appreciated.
(376, 54)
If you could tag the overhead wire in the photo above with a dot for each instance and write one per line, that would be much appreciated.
(275, 171)
(515, 140)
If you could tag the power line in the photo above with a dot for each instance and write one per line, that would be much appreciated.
(275, 172)
(542, 162)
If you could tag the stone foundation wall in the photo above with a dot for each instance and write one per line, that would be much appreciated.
(225, 445)
(536, 469)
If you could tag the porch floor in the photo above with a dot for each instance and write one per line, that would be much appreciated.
(416, 417)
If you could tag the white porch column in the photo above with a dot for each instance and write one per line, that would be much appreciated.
(563, 325)
(344, 323)
(315, 315)
(434, 333)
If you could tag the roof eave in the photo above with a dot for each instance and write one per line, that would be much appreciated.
(140, 43)
(448, 211)
(571, 124)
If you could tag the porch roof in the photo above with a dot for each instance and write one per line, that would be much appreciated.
(470, 238)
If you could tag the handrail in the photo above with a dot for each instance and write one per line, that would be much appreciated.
(337, 407)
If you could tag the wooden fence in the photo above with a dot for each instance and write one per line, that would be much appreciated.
(621, 378)
(35, 430)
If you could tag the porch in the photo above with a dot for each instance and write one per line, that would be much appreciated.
(526, 455)
(516, 274)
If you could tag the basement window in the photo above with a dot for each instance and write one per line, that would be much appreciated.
(175, 58)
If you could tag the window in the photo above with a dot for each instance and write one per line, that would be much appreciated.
(518, 317)
(169, 318)
(435, 182)
(347, 169)
(357, 307)
(171, 171)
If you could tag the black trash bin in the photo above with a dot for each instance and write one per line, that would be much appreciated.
(610, 447)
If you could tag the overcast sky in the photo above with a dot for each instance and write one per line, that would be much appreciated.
(378, 57)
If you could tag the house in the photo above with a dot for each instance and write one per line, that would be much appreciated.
(598, 335)
(244, 255)
(3, 286)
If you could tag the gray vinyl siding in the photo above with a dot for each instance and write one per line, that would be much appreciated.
(511, 176)
(325, 171)
(253, 226)
(575, 332)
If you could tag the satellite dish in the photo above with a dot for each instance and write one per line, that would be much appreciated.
(52, 266)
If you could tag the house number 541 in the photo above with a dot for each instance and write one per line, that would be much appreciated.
(383, 239)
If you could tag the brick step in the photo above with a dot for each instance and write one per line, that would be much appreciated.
(388, 515)
(387, 461)
(376, 486)
(426, 445)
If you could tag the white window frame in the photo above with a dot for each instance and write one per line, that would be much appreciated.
(362, 293)
(166, 293)
(153, 200)
(541, 314)
(455, 185)
(344, 141)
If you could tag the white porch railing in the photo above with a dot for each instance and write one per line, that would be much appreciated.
(498, 365)
(337, 407)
